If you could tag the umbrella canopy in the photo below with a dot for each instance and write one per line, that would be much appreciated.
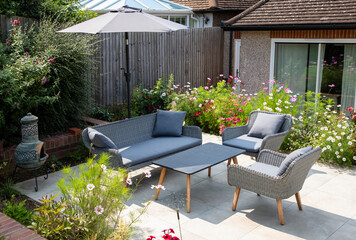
(125, 20)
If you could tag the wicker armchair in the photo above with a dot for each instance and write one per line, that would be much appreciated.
(260, 177)
(254, 145)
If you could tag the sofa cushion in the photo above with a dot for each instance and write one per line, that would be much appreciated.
(155, 148)
(290, 158)
(266, 124)
(251, 144)
(169, 123)
(264, 168)
(100, 140)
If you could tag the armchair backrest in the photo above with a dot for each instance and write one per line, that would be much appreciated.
(126, 132)
(285, 127)
(298, 170)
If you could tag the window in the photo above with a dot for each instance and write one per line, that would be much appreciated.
(326, 68)
(177, 19)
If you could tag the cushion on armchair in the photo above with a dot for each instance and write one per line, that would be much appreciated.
(266, 124)
(100, 140)
(250, 144)
(169, 123)
(290, 158)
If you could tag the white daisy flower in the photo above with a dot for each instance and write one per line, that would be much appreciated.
(147, 173)
(129, 181)
(90, 186)
(98, 210)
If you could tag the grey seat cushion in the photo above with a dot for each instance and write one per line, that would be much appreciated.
(266, 124)
(251, 144)
(169, 123)
(264, 168)
(155, 148)
(290, 158)
(100, 140)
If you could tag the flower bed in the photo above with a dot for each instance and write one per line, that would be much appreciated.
(224, 103)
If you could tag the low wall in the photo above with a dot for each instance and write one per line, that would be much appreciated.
(55, 146)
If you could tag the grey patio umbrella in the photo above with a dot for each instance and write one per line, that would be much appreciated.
(126, 20)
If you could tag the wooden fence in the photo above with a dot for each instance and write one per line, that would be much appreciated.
(190, 55)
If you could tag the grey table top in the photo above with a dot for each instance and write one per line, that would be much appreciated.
(198, 158)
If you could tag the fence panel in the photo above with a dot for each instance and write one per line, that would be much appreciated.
(190, 55)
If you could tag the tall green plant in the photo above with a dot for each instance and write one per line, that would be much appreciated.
(44, 72)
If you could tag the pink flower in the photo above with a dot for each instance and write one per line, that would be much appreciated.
(248, 99)
(36, 61)
(26, 54)
(42, 60)
(221, 118)
(271, 81)
(7, 42)
(263, 83)
(293, 99)
(16, 22)
(229, 80)
(200, 105)
(244, 103)
(52, 165)
(209, 80)
(265, 88)
(287, 89)
(350, 109)
(51, 60)
(44, 80)
(206, 87)
(221, 75)
(331, 85)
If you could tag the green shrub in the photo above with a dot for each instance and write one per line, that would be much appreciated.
(7, 190)
(43, 72)
(63, 10)
(18, 212)
(101, 113)
(148, 100)
(58, 220)
(99, 195)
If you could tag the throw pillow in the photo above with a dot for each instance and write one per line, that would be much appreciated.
(169, 123)
(266, 124)
(290, 158)
(100, 140)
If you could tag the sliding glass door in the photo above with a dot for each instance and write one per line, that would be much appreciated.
(326, 68)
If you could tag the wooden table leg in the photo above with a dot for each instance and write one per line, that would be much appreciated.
(188, 193)
(235, 160)
(229, 162)
(160, 181)
(209, 172)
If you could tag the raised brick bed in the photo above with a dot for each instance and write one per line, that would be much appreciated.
(13, 230)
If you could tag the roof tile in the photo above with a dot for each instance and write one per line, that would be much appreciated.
(197, 5)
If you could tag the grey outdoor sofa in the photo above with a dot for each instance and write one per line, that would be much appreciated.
(136, 147)
(239, 136)
(274, 175)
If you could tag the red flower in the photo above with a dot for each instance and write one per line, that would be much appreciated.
(171, 230)
(242, 83)
(349, 109)
(150, 89)
(151, 237)
(229, 80)
(166, 237)
(175, 238)
(7, 42)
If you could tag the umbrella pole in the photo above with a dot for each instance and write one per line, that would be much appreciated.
(128, 74)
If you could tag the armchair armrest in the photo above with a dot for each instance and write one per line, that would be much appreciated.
(115, 159)
(271, 157)
(192, 131)
(233, 132)
(273, 141)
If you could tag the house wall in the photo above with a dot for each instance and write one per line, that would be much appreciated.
(255, 56)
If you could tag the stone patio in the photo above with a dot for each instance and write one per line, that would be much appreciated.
(328, 197)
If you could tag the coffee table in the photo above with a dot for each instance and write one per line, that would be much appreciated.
(195, 160)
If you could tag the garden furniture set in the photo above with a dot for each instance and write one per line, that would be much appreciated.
(161, 139)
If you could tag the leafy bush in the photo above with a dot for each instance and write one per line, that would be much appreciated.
(148, 100)
(99, 195)
(62, 10)
(58, 220)
(18, 212)
(43, 72)
(7, 190)
(101, 113)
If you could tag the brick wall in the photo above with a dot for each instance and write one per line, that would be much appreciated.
(55, 145)
(12, 230)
